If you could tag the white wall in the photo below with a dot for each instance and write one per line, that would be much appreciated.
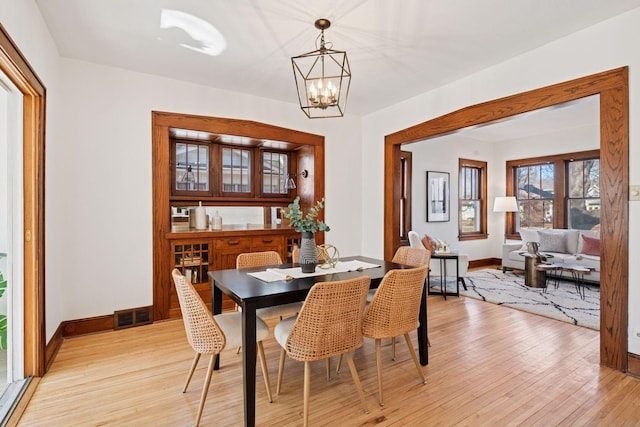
(104, 189)
(605, 46)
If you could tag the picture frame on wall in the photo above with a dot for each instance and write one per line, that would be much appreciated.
(438, 194)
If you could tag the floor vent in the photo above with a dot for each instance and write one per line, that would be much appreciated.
(132, 317)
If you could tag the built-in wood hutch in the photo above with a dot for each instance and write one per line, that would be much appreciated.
(218, 175)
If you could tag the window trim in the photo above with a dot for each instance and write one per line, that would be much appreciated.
(482, 193)
(215, 193)
(560, 188)
(291, 166)
(174, 190)
(406, 175)
(218, 171)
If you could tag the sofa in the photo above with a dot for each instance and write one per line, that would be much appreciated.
(577, 247)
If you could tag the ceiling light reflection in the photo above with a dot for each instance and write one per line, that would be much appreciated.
(207, 39)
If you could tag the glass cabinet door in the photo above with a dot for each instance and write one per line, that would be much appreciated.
(191, 172)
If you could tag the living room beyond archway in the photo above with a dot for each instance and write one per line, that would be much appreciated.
(612, 86)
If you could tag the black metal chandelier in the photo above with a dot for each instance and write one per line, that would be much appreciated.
(322, 78)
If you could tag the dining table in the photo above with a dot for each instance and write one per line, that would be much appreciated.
(251, 293)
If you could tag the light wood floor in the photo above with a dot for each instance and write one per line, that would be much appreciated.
(488, 365)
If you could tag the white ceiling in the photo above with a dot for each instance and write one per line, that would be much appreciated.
(396, 49)
(566, 116)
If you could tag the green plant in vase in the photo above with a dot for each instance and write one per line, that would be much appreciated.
(307, 224)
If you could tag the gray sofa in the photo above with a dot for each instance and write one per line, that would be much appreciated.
(566, 246)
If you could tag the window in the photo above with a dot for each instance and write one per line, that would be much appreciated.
(406, 160)
(275, 169)
(583, 179)
(472, 196)
(212, 170)
(191, 172)
(236, 170)
(560, 191)
(535, 195)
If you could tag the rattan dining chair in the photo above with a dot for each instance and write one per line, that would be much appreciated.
(264, 259)
(208, 334)
(394, 311)
(329, 324)
(406, 255)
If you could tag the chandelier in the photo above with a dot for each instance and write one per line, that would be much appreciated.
(322, 78)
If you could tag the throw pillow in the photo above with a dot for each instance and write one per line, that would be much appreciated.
(428, 243)
(594, 234)
(590, 245)
(528, 235)
(552, 242)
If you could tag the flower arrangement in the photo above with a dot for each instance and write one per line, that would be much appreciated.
(308, 222)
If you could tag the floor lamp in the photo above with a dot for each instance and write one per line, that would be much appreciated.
(505, 204)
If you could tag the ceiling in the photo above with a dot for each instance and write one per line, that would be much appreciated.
(580, 113)
(396, 49)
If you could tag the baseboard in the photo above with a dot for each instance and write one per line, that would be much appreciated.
(52, 347)
(633, 368)
(87, 326)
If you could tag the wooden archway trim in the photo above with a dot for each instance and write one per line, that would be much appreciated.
(612, 86)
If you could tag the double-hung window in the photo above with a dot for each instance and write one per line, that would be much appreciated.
(472, 200)
(559, 191)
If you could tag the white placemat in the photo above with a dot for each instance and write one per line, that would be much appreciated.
(276, 274)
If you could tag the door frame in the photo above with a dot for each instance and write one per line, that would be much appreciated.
(14, 65)
(613, 88)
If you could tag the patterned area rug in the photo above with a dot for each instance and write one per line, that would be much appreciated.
(508, 289)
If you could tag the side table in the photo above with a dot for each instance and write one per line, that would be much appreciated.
(533, 276)
(442, 258)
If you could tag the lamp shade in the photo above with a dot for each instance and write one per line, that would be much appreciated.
(505, 204)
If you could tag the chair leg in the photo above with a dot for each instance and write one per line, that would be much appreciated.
(205, 387)
(191, 371)
(415, 358)
(339, 364)
(307, 392)
(283, 354)
(356, 380)
(265, 370)
(393, 349)
(328, 364)
(379, 369)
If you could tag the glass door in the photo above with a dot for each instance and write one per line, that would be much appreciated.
(11, 247)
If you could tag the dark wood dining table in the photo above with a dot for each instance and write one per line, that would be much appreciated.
(251, 293)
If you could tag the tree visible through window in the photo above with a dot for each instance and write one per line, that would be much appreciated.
(535, 195)
(559, 191)
(583, 193)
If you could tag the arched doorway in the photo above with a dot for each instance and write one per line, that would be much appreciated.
(612, 86)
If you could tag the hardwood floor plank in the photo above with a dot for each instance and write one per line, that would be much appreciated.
(489, 365)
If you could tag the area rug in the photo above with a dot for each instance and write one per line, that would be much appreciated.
(508, 289)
